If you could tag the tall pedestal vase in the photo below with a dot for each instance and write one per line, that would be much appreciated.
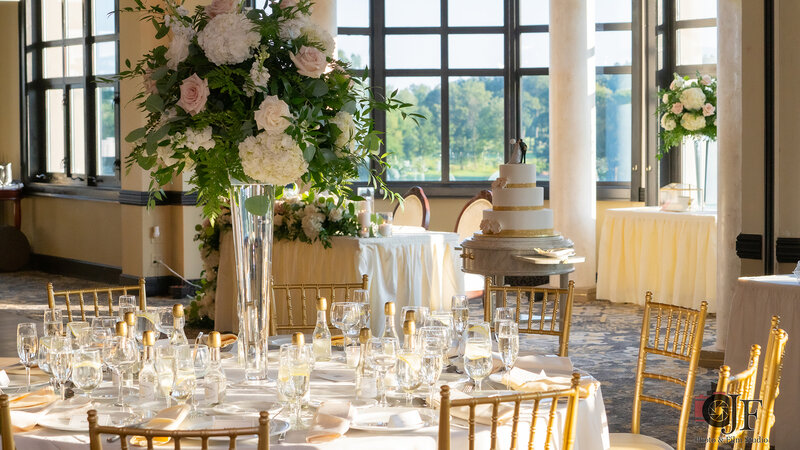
(251, 212)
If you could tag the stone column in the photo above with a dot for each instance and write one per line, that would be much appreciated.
(573, 176)
(323, 13)
(729, 168)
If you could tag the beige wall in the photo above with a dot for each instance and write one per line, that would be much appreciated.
(9, 97)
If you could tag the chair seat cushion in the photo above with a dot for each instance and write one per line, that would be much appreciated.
(630, 441)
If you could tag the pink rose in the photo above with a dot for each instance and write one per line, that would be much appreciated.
(309, 61)
(287, 3)
(677, 108)
(708, 109)
(218, 7)
(706, 80)
(194, 93)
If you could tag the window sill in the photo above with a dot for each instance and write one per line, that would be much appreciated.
(605, 190)
(72, 192)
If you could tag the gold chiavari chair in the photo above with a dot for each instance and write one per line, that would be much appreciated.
(288, 320)
(742, 384)
(571, 395)
(5, 423)
(95, 430)
(551, 317)
(94, 297)
(770, 382)
(673, 332)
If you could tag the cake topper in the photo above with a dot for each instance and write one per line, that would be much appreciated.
(520, 148)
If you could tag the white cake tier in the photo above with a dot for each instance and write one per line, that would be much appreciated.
(523, 175)
(517, 199)
(522, 223)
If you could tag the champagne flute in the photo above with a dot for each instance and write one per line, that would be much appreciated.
(382, 356)
(164, 320)
(45, 343)
(184, 380)
(438, 337)
(294, 373)
(508, 344)
(87, 371)
(478, 352)
(53, 323)
(432, 366)
(165, 370)
(123, 355)
(345, 316)
(361, 296)
(60, 362)
(27, 348)
(503, 313)
(409, 365)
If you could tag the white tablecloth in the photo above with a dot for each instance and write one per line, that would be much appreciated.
(674, 255)
(755, 301)
(412, 267)
(591, 434)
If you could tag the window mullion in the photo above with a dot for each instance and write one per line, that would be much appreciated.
(445, 92)
(378, 70)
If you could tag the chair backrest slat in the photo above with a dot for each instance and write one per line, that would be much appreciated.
(770, 384)
(67, 295)
(285, 317)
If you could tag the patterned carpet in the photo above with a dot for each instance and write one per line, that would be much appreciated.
(604, 341)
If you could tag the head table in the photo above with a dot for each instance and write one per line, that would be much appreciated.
(592, 431)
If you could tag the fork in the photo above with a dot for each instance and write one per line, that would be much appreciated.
(468, 388)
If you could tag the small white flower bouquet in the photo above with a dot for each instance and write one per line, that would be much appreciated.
(687, 109)
(309, 218)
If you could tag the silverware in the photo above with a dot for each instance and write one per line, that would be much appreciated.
(468, 388)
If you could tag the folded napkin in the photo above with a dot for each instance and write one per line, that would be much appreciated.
(166, 419)
(405, 419)
(483, 413)
(525, 381)
(331, 422)
(548, 363)
(42, 397)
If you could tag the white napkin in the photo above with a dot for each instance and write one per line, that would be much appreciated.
(22, 421)
(525, 381)
(331, 422)
(405, 419)
(548, 363)
(4, 380)
(483, 413)
(166, 419)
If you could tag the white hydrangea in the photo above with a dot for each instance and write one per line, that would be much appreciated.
(665, 98)
(319, 36)
(312, 221)
(272, 158)
(196, 139)
(210, 265)
(344, 121)
(693, 122)
(335, 214)
(259, 75)
(693, 98)
(668, 123)
(291, 29)
(166, 155)
(228, 39)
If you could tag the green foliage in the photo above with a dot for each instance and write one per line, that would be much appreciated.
(310, 218)
(673, 130)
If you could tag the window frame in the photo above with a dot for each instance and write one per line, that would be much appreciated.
(86, 182)
(512, 74)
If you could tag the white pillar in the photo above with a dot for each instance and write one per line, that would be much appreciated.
(323, 13)
(573, 175)
(729, 167)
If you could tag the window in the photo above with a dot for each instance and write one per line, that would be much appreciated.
(454, 60)
(72, 114)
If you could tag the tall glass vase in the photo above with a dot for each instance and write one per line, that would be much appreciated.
(251, 212)
(701, 169)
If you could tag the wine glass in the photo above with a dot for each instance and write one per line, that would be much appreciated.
(45, 342)
(104, 322)
(508, 344)
(121, 357)
(59, 358)
(432, 366)
(460, 319)
(201, 357)
(382, 356)
(184, 380)
(438, 337)
(75, 329)
(164, 320)
(53, 323)
(409, 365)
(27, 348)
(346, 316)
(87, 371)
(294, 373)
(420, 314)
(459, 301)
(504, 313)
(165, 370)
(478, 352)
(361, 296)
(145, 321)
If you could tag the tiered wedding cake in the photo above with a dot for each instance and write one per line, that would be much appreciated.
(517, 205)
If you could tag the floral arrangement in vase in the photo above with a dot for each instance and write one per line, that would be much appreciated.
(310, 218)
(253, 95)
(687, 109)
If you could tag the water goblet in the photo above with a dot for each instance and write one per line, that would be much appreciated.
(127, 303)
(201, 356)
(459, 301)
(164, 320)
(361, 296)
(382, 356)
(59, 358)
(438, 336)
(53, 323)
(27, 348)
(184, 380)
(346, 316)
(409, 366)
(165, 370)
(432, 366)
(294, 373)
(45, 342)
(508, 344)
(478, 352)
(121, 357)
(87, 371)
(504, 313)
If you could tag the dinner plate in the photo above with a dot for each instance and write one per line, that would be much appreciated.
(336, 375)
(76, 421)
(246, 408)
(276, 426)
(377, 420)
(18, 383)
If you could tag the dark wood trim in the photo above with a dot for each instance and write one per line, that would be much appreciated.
(787, 250)
(76, 268)
(160, 286)
(748, 246)
(769, 137)
(140, 198)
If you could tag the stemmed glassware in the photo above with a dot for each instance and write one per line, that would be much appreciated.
(478, 352)
(420, 314)
(508, 344)
(27, 348)
(104, 322)
(201, 356)
(122, 354)
(346, 316)
(184, 380)
(460, 311)
(382, 356)
(361, 296)
(164, 363)
(53, 323)
(164, 320)
(294, 373)
(45, 343)
(409, 367)
(127, 303)
(503, 313)
(432, 366)
(87, 371)
(59, 358)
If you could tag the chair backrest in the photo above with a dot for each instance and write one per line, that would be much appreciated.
(5, 424)
(303, 297)
(551, 316)
(743, 385)
(415, 210)
(469, 220)
(770, 382)
(568, 438)
(672, 332)
(94, 297)
(95, 430)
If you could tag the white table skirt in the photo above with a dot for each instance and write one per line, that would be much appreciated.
(754, 302)
(674, 255)
(412, 267)
(591, 433)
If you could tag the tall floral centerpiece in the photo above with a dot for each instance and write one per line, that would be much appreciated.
(245, 101)
(688, 112)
